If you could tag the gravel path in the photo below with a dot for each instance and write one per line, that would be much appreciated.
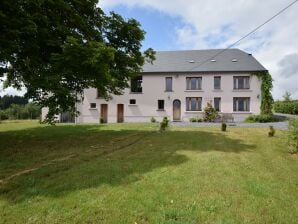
(277, 125)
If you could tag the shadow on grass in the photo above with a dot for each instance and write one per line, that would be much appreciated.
(63, 159)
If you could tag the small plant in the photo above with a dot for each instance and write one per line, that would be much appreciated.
(164, 124)
(293, 135)
(195, 119)
(223, 126)
(271, 131)
(153, 120)
(262, 118)
(210, 114)
(102, 120)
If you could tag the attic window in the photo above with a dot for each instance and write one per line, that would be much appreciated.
(213, 60)
(234, 60)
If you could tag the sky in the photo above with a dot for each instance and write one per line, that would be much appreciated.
(201, 24)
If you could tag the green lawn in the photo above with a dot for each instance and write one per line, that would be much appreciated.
(130, 173)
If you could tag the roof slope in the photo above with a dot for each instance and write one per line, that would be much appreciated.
(193, 61)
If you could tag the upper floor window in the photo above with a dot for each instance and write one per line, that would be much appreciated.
(169, 84)
(217, 82)
(241, 103)
(194, 83)
(136, 84)
(217, 103)
(161, 104)
(241, 82)
(193, 103)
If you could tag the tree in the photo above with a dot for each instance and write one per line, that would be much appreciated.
(287, 96)
(58, 48)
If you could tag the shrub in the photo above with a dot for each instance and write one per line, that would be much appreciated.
(210, 114)
(293, 135)
(3, 115)
(164, 124)
(262, 118)
(289, 107)
(271, 131)
(153, 120)
(223, 126)
(195, 119)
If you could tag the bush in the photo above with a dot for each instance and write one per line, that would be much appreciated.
(153, 120)
(223, 126)
(262, 118)
(271, 131)
(293, 135)
(289, 107)
(164, 124)
(3, 115)
(195, 119)
(210, 114)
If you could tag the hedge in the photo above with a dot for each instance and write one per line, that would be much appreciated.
(290, 107)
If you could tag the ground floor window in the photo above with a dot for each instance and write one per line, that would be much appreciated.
(132, 101)
(217, 103)
(92, 105)
(193, 103)
(241, 103)
(161, 104)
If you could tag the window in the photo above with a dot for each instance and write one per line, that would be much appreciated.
(169, 84)
(241, 82)
(217, 103)
(241, 103)
(161, 104)
(92, 105)
(132, 101)
(217, 82)
(194, 83)
(136, 84)
(193, 103)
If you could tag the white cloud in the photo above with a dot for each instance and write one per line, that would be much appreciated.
(217, 24)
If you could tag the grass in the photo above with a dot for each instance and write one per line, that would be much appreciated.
(130, 173)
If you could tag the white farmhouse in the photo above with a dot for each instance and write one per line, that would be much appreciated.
(178, 85)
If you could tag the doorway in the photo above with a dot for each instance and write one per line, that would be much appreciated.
(120, 113)
(176, 110)
(104, 113)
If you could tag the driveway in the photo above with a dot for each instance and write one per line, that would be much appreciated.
(277, 125)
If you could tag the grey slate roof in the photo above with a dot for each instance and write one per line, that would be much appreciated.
(179, 61)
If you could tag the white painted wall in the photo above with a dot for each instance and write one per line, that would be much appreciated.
(154, 89)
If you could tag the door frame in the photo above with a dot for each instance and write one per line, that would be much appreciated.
(103, 113)
(120, 116)
(177, 100)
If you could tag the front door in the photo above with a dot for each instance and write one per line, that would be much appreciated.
(120, 113)
(176, 110)
(104, 113)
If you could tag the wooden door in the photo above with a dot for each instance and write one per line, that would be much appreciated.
(176, 110)
(104, 113)
(120, 113)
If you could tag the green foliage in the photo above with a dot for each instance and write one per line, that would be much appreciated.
(293, 135)
(210, 114)
(223, 126)
(287, 96)
(286, 107)
(7, 100)
(164, 124)
(271, 131)
(56, 49)
(261, 118)
(16, 111)
(153, 120)
(195, 119)
(266, 87)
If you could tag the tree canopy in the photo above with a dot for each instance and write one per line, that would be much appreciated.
(57, 48)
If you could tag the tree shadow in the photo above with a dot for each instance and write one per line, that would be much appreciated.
(63, 159)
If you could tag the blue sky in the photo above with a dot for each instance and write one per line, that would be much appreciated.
(201, 24)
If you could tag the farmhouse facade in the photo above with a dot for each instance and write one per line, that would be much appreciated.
(178, 85)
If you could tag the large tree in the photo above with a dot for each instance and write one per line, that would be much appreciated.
(57, 48)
